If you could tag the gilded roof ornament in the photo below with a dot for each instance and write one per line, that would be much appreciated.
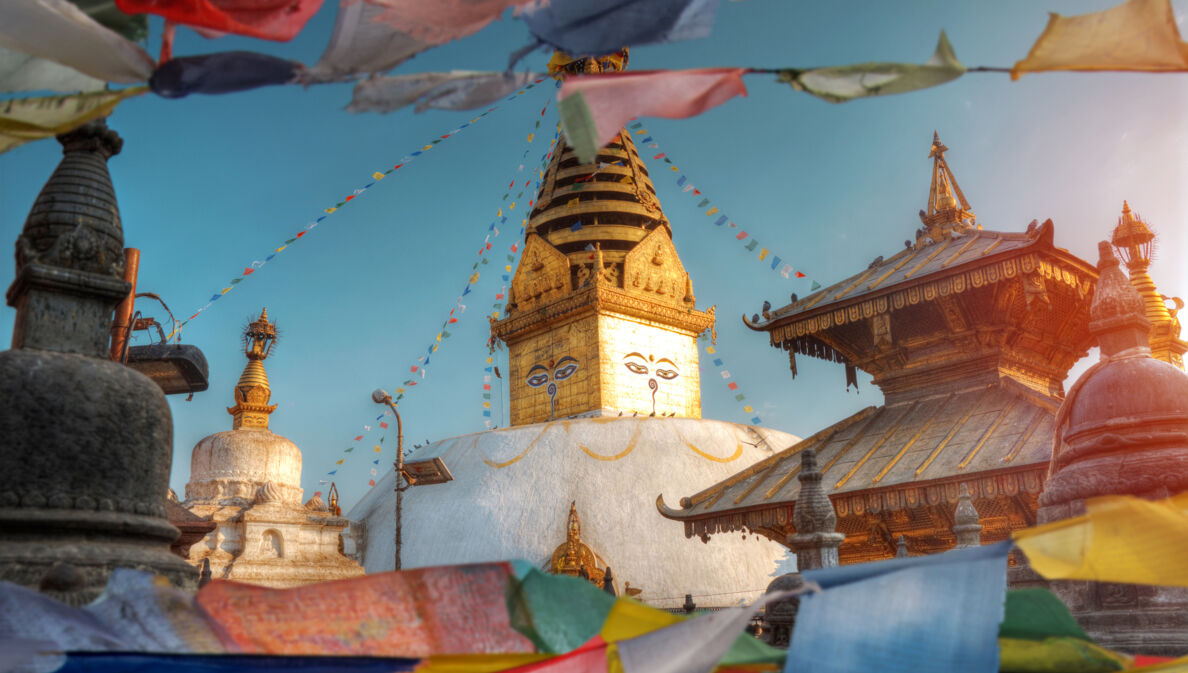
(252, 391)
(948, 212)
(573, 557)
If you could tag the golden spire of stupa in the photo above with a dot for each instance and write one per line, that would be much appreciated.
(252, 392)
(947, 207)
(1135, 241)
(600, 286)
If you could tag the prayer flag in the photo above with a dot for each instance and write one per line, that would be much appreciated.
(58, 31)
(763, 254)
(576, 225)
(710, 349)
(711, 211)
(1119, 539)
(752, 244)
(717, 362)
(938, 612)
(25, 119)
(732, 385)
(378, 449)
(756, 421)
(720, 221)
(340, 461)
(725, 374)
(222, 72)
(842, 83)
(786, 270)
(703, 203)
(383, 425)
(799, 274)
(816, 286)
(371, 482)
(1138, 35)
(594, 107)
(741, 235)
(377, 175)
(739, 397)
(356, 438)
(775, 261)
(748, 409)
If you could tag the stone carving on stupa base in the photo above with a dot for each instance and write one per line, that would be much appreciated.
(1122, 430)
(86, 466)
(248, 482)
(573, 557)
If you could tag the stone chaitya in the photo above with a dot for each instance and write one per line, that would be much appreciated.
(84, 441)
(248, 482)
(969, 333)
(1123, 430)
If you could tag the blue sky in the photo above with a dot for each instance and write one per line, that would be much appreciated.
(209, 184)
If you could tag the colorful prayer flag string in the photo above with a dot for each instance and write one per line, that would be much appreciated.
(774, 261)
(376, 177)
(421, 364)
(711, 352)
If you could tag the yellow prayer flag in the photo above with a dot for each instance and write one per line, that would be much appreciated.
(377, 175)
(748, 409)
(1119, 539)
(225, 290)
(486, 405)
(1139, 35)
(489, 360)
(711, 211)
(25, 119)
(474, 278)
(507, 267)
(531, 136)
(400, 391)
(499, 213)
(630, 619)
(573, 202)
(710, 350)
(675, 169)
(512, 206)
(280, 248)
(626, 180)
(763, 253)
(495, 315)
(439, 337)
(434, 349)
(477, 663)
(641, 132)
(378, 449)
(340, 461)
(329, 210)
(427, 147)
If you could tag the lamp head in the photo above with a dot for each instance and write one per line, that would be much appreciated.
(380, 396)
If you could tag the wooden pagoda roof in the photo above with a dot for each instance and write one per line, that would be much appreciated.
(996, 438)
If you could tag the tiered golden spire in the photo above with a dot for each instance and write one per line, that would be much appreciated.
(252, 392)
(947, 208)
(1134, 242)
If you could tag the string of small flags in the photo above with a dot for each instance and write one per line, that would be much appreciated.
(376, 177)
(420, 368)
(727, 377)
(497, 306)
(775, 262)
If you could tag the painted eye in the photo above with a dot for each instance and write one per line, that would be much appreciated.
(667, 373)
(538, 380)
(565, 372)
(636, 368)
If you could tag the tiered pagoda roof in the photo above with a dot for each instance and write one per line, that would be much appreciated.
(969, 334)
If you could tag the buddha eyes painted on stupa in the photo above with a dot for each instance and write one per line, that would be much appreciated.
(636, 363)
(551, 373)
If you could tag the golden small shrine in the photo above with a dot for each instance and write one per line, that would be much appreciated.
(969, 334)
(573, 557)
(1134, 241)
(601, 314)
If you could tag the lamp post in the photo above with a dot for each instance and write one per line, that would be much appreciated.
(381, 396)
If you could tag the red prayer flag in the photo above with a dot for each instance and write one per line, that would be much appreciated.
(371, 482)
(299, 235)
(383, 425)
(278, 20)
(413, 369)
(732, 385)
(486, 386)
(247, 270)
(358, 438)
(741, 235)
(799, 274)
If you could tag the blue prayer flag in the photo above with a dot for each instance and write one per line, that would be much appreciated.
(215, 297)
(717, 362)
(487, 413)
(775, 263)
(681, 181)
(576, 225)
(720, 221)
(938, 612)
(756, 421)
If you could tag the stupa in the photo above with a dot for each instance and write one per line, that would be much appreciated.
(601, 329)
(248, 482)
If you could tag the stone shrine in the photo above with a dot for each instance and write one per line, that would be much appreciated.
(84, 441)
(248, 482)
(1123, 430)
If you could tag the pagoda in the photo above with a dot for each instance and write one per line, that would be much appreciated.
(601, 315)
(1134, 241)
(247, 481)
(969, 333)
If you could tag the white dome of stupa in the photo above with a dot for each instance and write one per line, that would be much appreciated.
(511, 492)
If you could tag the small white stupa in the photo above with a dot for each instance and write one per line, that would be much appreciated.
(248, 481)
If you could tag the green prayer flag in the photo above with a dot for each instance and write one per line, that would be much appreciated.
(816, 286)
(752, 244)
(1037, 614)
(556, 612)
(349, 450)
(290, 241)
(578, 124)
(236, 281)
(843, 83)
(740, 397)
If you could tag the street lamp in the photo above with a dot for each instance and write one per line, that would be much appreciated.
(381, 396)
